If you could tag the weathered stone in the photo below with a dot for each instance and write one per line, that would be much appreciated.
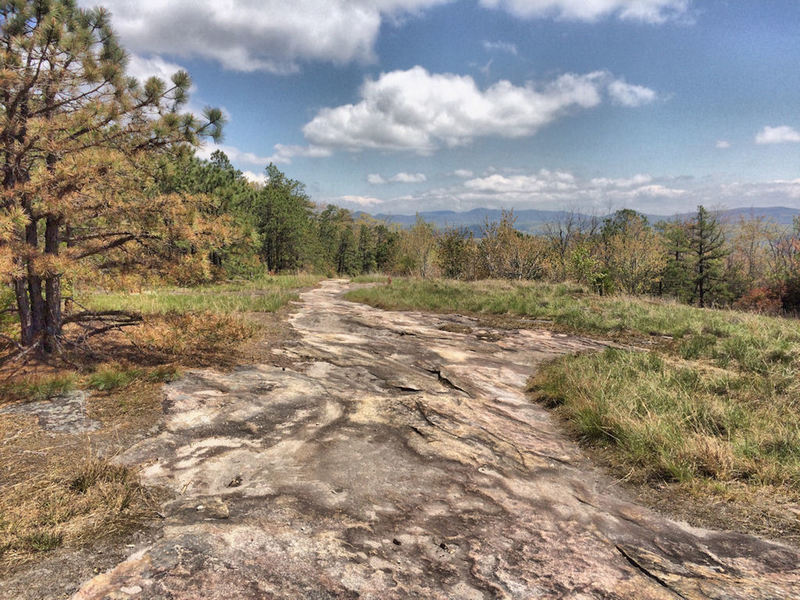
(402, 461)
(61, 414)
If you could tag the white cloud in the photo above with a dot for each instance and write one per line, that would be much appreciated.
(648, 11)
(420, 111)
(255, 177)
(257, 35)
(630, 95)
(362, 201)
(556, 189)
(234, 154)
(463, 173)
(500, 47)
(546, 185)
(634, 181)
(551, 189)
(409, 178)
(276, 36)
(143, 68)
(543, 181)
(284, 154)
(778, 135)
(723, 144)
(376, 179)
(653, 191)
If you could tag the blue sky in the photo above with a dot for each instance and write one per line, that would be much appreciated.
(406, 105)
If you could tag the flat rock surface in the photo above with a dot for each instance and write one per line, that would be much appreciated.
(400, 458)
(60, 414)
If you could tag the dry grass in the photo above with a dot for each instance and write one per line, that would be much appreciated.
(67, 503)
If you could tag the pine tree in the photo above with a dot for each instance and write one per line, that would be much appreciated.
(283, 211)
(676, 280)
(75, 134)
(706, 243)
(366, 249)
(347, 260)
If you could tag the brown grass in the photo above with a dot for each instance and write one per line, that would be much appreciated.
(67, 503)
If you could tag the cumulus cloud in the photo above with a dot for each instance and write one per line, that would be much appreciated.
(565, 187)
(255, 177)
(782, 134)
(276, 36)
(554, 190)
(420, 111)
(257, 35)
(409, 178)
(361, 201)
(377, 179)
(463, 173)
(629, 182)
(723, 144)
(630, 95)
(500, 47)
(234, 154)
(142, 68)
(284, 154)
(648, 11)
(543, 181)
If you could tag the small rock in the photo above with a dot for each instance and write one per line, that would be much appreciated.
(131, 590)
(251, 428)
(218, 509)
(397, 542)
(200, 508)
(235, 482)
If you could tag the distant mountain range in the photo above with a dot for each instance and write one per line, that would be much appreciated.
(533, 221)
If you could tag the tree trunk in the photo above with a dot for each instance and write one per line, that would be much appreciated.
(52, 315)
(24, 311)
(34, 282)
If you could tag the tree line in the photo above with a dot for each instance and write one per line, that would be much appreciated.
(750, 264)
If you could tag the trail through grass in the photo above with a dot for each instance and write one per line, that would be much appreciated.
(711, 409)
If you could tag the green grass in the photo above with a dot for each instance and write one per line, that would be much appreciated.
(113, 377)
(37, 388)
(266, 294)
(370, 278)
(714, 404)
(671, 420)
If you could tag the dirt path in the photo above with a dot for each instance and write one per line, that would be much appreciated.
(399, 460)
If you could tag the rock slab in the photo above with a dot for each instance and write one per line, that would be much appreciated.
(400, 458)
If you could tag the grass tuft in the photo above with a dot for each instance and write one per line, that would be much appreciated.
(33, 389)
(71, 504)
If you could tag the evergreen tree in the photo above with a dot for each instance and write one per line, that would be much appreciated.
(347, 259)
(283, 213)
(77, 137)
(706, 243)
(386, 245)
(676, 279)
(366, 249)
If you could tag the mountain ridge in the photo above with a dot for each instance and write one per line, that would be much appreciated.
(533, 220)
